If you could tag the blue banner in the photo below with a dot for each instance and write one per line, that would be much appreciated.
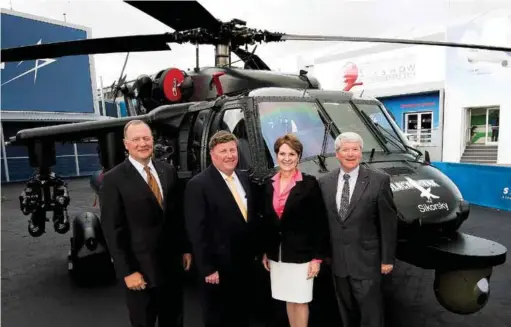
(488, 186)
(51, 85)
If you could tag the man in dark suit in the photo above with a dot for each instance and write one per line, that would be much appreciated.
(363, 224)
(221, 223)
(144, 231)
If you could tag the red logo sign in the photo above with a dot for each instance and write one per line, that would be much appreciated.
(171, 84)
(350, 76)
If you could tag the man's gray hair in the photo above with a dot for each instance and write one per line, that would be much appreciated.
(348, 137)
(134, 122)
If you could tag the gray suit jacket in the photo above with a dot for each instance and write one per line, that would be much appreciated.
(367, 237)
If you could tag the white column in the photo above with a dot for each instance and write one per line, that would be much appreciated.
(4, 154)
(76, 159)
(102, 94)
(504, 141)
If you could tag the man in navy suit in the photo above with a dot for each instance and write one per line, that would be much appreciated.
(221, 223)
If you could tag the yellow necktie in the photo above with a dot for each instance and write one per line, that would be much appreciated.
(237, 197)
(153, 184)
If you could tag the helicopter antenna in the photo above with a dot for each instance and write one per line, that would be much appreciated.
(230, 48)
(122, 79)
(197, 68)
(304, 77)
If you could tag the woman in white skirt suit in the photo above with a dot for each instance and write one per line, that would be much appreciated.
(295, 231)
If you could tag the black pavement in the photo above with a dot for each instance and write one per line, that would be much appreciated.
(37, 290)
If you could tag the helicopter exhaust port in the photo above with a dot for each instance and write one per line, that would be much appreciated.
(463, 291)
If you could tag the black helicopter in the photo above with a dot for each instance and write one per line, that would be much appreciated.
(258, 105)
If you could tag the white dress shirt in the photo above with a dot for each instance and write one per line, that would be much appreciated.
(239, 186)
(140, 168)
(340, 184)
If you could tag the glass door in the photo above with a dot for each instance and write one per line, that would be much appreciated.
(492, 126)
(418, 127)
(411, 127)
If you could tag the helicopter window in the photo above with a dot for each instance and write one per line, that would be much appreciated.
(233, 121)
(347, 120)
(300, 118)
(387, 126)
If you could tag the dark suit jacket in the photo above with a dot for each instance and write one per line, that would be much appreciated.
(302, 230)
(221, 238)
(367, 237)
(141, 235)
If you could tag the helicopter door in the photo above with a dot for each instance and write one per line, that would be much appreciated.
(233, 121)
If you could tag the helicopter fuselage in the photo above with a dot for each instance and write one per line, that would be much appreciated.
(430, 206)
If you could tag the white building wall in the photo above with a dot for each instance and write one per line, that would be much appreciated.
(504, 155)
(478, 78)
(397, 71)
(462, 84)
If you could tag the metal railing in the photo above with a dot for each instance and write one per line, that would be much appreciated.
(423, 136)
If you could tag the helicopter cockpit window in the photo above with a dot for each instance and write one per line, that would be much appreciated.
(347, 120)
(300, 118)
(233, 121)
(387, 127)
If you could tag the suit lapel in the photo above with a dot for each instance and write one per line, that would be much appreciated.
(360, 186)
(245, 182)
(294, 196)
(269, 194)
(224, 188)
(332, 192)
(139, 181)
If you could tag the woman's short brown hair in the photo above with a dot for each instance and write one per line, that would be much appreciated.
(292, 141)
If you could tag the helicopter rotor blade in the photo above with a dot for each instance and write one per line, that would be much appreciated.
(179, 15)
(159, 42)
(136, 43)
(295, 37)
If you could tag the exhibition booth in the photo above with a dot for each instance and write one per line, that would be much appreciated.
(452, 102)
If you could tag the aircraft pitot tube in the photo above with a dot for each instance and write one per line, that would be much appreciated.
(45, 192)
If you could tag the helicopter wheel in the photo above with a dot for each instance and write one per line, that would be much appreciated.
(92, 270)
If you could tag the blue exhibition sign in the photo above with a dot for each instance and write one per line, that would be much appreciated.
(484, 185)
(50, 84)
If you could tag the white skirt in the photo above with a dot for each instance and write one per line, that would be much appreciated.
(289, 282)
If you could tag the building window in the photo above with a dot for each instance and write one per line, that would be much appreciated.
(418, 127)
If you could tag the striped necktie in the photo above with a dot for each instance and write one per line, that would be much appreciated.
(237, 197)
(153, 184)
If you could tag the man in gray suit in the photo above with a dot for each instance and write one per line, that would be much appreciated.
(362, 217)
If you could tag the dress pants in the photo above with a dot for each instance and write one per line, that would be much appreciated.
(360, 301)
(229, 303)
(164, 303)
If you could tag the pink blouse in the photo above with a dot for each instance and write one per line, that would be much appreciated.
(279, 200)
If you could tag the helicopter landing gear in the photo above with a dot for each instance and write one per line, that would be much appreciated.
(89, 262)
